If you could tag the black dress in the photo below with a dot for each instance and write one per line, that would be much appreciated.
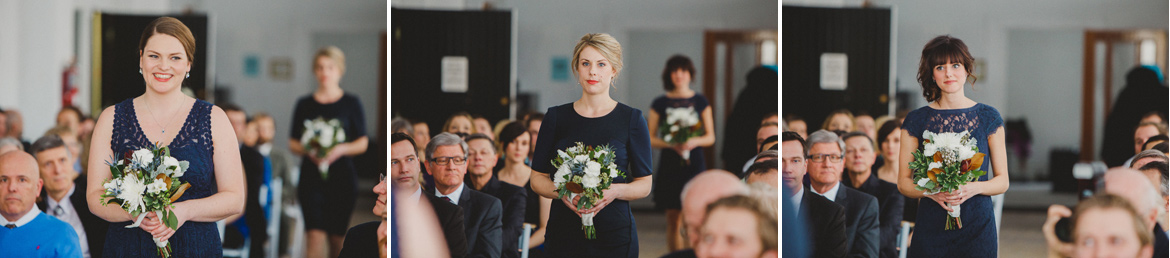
(327, 204)
(624, 129)
(673, 171)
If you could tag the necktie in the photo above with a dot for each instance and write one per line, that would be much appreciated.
(447, 199)
(10, 225)
(57, 212)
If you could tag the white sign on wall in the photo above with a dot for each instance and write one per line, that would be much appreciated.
(454, 74)
(834, 71)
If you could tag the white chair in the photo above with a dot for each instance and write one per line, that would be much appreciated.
(524, 239)
(273, 248)
(904, 238)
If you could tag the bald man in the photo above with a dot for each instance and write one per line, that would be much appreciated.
(1135, 187)
(704, 189)
(26, 231)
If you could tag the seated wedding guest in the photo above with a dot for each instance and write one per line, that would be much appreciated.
(72, 143)
(533, 121)
(447, 162)
(252, 223)
(863, 122)
(764, 135)
(703, 189)
(369, 239)
(1135, 188)
(825, 219)
(1163, 147)
(1107, 225)
(482, 126)
(754, 102)
(64, 194)
(70, 116)
(16, 127)
(889, 143)
(422, 134)
(1141, 133)
(859, 158)
(861, 210)
(1150, 143)
(27, 231)
(738, 226)
(514, 144)
(1156, 172)
(276, 166)
(838, 120)
(459, 124)
(797, 124)
(10, 144)
(481, 159)
(764, 172)
(1147, 156)
(1143, 95)
(401, 125)
(404, 170)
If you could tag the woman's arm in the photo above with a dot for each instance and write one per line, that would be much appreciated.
(229, 177)
(538, 237)
(295, 146)
(98, 170)
(998, 183)
(543, 185)
(655, 141)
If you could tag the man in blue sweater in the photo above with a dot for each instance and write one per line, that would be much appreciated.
(26, 231)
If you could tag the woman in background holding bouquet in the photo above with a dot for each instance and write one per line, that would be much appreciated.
(597, 121)
(943, 71)
(194, 130)
(328, 128)
(680, 125)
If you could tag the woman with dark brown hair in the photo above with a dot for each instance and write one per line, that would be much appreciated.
(943, 71)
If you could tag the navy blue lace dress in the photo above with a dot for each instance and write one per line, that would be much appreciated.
(193, 144)
(977, 238)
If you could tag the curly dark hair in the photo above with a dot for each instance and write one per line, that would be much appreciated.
(939, 51)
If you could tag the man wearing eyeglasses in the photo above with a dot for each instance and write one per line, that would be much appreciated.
(447, 162)
(826, 220)
(825, 164)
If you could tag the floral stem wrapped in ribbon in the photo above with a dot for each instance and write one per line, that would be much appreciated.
(319, 137)
(946, 162)
(145, 181)
(585, 171)
(679, 125)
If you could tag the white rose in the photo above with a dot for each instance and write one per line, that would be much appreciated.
(157, 186)
(559, 177)
(613, 171)
(324, 138)
(179, 171)
(593, 169)
(600, 154)
(581, 158)
(170, 166)
(143, 157)
(306, 137)
(591, 181)
(340, 136)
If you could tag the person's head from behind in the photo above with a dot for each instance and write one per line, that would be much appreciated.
(678, 73)
(768, 144)
(70, 116)
(481, 155)
(10, 144)
(459, 124)
(1107, 225)
(400, 125)
(825, 158)
(795, 165)
(447, 160)
(166, 52)
(514, 143)
(767, 155)
(839, 120)
(738, 226)
(764, 172)
(859, 153)
(1154, 141)
(597, 62)
(329, 65)
(1135, 187)
(1156, 171)
(55, 163)
(1147, 156)
(404, 163)
(863, 122)
(890, 140)
(703, 189)
(1143, 132)
(944, 68)
(764, 132)
(481, 125)
(20, 183)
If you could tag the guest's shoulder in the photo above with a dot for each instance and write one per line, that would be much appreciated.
(51, 225)
(365, 229)
(858, 194)
(480, 197)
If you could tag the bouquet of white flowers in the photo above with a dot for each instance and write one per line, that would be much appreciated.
(319, 137)
(147, 180)
(680, 125)
(585, 171)
(946, 162)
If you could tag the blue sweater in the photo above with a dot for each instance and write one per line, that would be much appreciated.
(44, 236)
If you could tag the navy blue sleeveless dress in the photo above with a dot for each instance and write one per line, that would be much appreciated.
(624, 129)
(673, 171)
(978, 237)
(193, 144)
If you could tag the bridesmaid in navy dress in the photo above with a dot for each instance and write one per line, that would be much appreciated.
(595, 120)
(943, 70)
(194, 130)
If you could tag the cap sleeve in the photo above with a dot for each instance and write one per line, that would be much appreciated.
(994, 120)
(638, 149)
(913, 123)
(357, 118)
(544, 143)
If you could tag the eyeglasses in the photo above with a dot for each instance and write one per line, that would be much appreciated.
(449, 160)
(821, 158)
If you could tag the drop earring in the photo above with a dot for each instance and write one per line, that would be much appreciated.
(188, 75)
(139, 70)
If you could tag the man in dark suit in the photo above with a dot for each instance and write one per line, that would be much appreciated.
(825, 166)
(404, 173)
(447, 162)
(64, 194)
(826, 220)
(253, 221)
(481, 159)
(859, 158)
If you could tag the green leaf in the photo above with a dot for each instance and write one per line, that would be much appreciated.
(172, 220)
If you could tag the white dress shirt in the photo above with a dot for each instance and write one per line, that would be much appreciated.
(70, 216)
(28, 217)
(796, 200)
(831, 193)
(454, 196)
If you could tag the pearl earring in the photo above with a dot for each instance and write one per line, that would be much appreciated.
(188, 75)
(139, 70)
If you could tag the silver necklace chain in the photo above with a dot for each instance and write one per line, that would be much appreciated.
(155, 118)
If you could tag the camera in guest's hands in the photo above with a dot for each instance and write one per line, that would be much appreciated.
(1063, 230)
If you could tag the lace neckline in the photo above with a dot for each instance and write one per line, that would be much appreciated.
(977, 104)
(182, 129)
